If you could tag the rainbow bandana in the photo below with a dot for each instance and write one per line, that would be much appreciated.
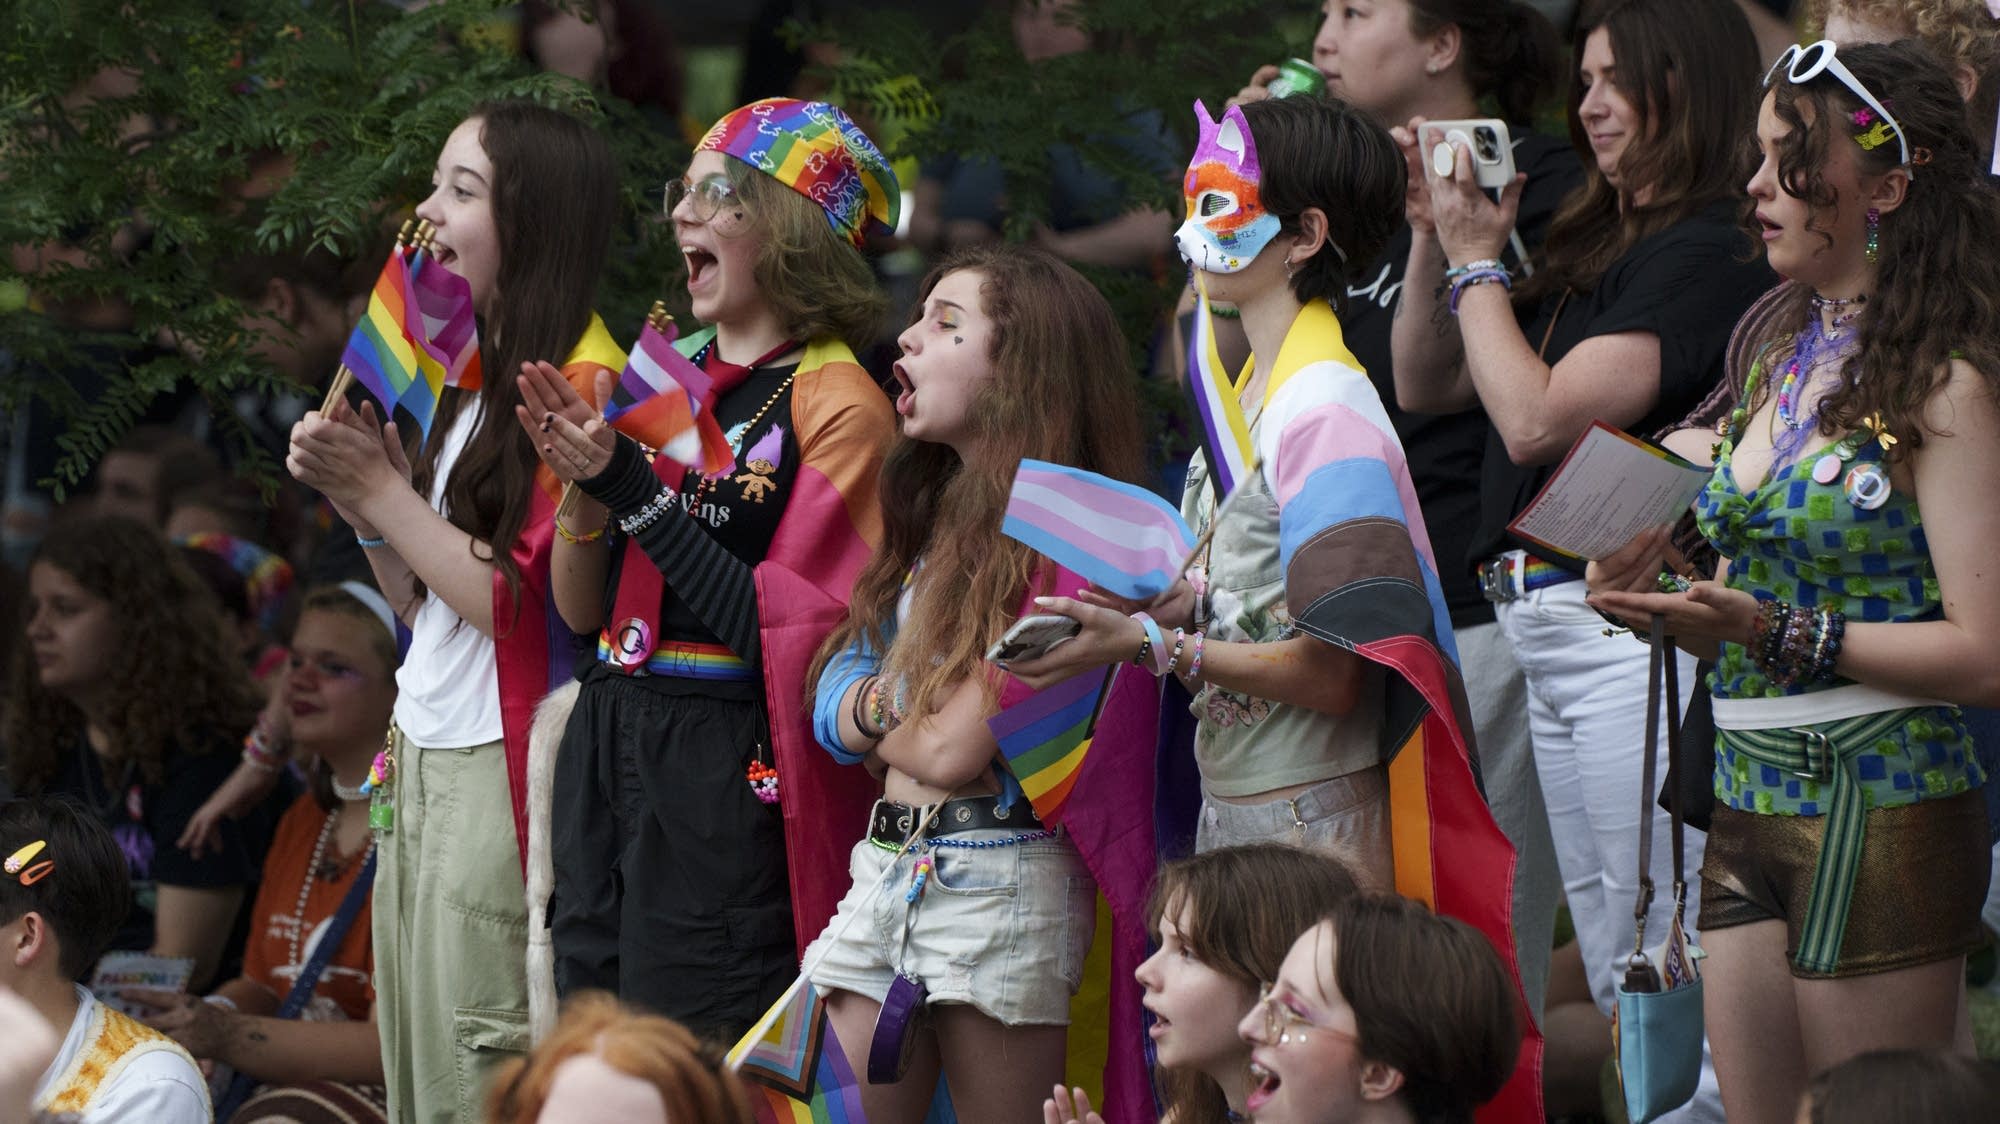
(819, 152)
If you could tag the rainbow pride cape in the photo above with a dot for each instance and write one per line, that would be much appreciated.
(533, 649)
(1085, 758)
(1359, 574)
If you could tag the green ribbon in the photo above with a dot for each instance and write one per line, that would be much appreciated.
(1826, 753)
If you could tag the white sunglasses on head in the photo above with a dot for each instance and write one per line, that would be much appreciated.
(1803, 64)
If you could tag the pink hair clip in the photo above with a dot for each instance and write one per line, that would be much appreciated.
(1864, 116)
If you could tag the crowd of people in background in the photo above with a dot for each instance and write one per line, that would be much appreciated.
(505, 767)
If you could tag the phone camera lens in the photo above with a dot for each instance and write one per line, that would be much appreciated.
(1486, 143)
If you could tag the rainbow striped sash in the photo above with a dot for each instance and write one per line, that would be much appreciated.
(685, 660)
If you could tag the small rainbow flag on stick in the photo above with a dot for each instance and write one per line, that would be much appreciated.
(1045, 736)
(795, 1066)
(417, 337)
(1112, 534)
(665, 401)
(1225, 435)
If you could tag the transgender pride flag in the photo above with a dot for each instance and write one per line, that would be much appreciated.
(1113, 534)
(664, 400)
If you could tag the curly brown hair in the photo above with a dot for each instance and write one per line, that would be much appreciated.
(1912, 327)
(1062, 391)
(181, 686)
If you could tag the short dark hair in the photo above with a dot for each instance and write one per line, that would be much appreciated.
(87, 894)
(1321, 152)
(1431, 998)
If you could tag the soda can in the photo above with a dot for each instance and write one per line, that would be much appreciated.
(1297, 76)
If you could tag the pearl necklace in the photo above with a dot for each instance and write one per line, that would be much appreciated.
(315, 871)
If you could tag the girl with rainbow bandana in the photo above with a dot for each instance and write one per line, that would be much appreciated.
(686, 772)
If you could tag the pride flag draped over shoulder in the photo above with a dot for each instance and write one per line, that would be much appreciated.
(1225, 436)
(1359, 574)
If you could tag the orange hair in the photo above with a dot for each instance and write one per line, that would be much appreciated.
(689, 1075)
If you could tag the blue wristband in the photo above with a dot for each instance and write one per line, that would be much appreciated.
(371, 544)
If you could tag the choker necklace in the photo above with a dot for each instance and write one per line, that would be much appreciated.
(1845, 310)
(349, 795)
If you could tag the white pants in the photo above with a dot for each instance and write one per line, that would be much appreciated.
(1587, 718)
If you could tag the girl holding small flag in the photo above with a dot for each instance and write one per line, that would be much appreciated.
(672, 811)
(958, 884)
(458, 535)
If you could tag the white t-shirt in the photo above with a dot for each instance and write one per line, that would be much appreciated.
(448, 689)
(157, 1087)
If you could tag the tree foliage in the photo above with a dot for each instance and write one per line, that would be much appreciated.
(126, 134)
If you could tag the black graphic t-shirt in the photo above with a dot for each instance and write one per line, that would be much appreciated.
(1444, 451)
(741, 508)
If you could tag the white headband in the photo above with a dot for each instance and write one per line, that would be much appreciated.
(377, 604)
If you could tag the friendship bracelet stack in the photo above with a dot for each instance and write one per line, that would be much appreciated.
(1794, 644)
(645, 517)
(1155, 656)
(261, 750)
(1486, 271)
(875, 711)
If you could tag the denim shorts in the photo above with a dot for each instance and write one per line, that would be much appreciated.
(1346, 817)
(1002, 929)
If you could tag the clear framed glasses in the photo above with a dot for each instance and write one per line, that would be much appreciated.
(1805, 63)
(706, 198)
(1286, 1026)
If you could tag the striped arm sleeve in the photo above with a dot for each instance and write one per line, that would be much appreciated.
(716, 586)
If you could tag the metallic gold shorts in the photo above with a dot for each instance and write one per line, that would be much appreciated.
(1917, 897)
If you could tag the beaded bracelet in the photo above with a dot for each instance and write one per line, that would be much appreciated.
(1482, 264)
(1194, 661)
(258, 750)
(646, 516)
(370, 544)
(1479, 277)
(1173, 661)
(575, 539)
(855, 712)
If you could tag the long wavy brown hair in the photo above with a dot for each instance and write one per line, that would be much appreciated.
(1062, 391)
(181, 688)
(1689, 67)
(1937, 286)
(555, 195)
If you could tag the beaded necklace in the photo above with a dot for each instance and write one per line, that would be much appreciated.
(1818, 344)
(317, 870)
(704, 483)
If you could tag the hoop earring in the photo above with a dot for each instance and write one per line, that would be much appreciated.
(1292, 267)
(1874, 229)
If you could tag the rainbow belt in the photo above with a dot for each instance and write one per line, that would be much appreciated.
(685, 660)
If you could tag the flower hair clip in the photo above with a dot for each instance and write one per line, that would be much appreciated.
(1863, 117)
(18, 863)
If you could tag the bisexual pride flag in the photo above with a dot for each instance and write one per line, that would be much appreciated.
(444, 303)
